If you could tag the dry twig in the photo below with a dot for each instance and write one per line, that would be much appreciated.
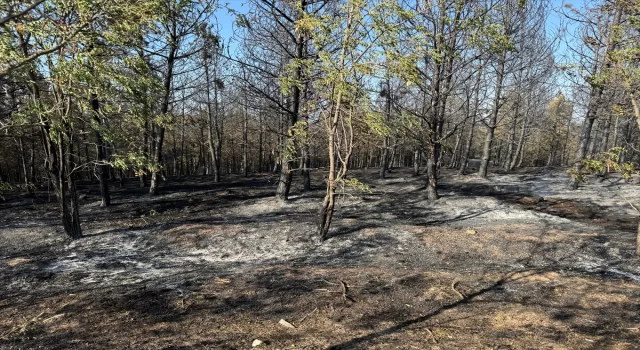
(305, 316)
(22, 328)
(435, 341)
(345, 292)
(453, 287)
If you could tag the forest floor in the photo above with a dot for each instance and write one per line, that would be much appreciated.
(513, 262)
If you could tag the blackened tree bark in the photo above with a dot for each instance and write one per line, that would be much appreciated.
(158, 130)
(287, 159)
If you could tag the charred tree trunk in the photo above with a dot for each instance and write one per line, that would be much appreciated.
(212, 126)
(58, 159)
(158, 134)
(57, 163)
(245, 140)
(284, 184)
(386, 142)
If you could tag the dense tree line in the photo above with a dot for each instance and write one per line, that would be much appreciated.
(117, 90)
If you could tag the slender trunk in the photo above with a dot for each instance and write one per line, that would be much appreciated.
(592, 108)
(286, 159)
(284, 182)
(497, 101)
(636, 108)
(245, 140)
(174, 146)
(521, 157)
(157, 159)
(219, 129)
(182, 155)
(563, 157)
(615, 132)
(306, 166)
(416, 162)
(392, 159)
(211, 125)
(594, 145)
(606, 133)
(467, 148)
(432, 173)
(145, 151)
(511, 140)
(454, 154)
(32, 161)
(57, 162)
(498, 150)
(384, 156)
(638, 241)
(71, 192)
(520, 146)
(261, 146)
(551, 155)
(434, 137)
(306, 153)
(102, 168)
(23, 160)
(159, 129)
(328, 205)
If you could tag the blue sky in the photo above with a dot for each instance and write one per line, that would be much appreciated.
(554, 22)
(226, 19)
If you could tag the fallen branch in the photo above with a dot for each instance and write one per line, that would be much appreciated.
(305, 316)
(435, 341)
(52, 318)
(345, 292)
(327, 282)
(22, 328)
(453, 287)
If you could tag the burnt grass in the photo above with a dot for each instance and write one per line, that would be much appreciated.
(203, 265)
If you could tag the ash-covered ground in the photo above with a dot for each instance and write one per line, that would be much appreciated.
(516, 261)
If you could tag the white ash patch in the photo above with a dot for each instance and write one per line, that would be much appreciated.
(268, 231)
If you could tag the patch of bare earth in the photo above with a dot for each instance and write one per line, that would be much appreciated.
(217, 266)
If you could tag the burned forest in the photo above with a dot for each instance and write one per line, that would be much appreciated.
(319, 174)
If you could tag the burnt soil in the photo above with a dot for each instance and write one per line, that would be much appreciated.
(513, 262)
